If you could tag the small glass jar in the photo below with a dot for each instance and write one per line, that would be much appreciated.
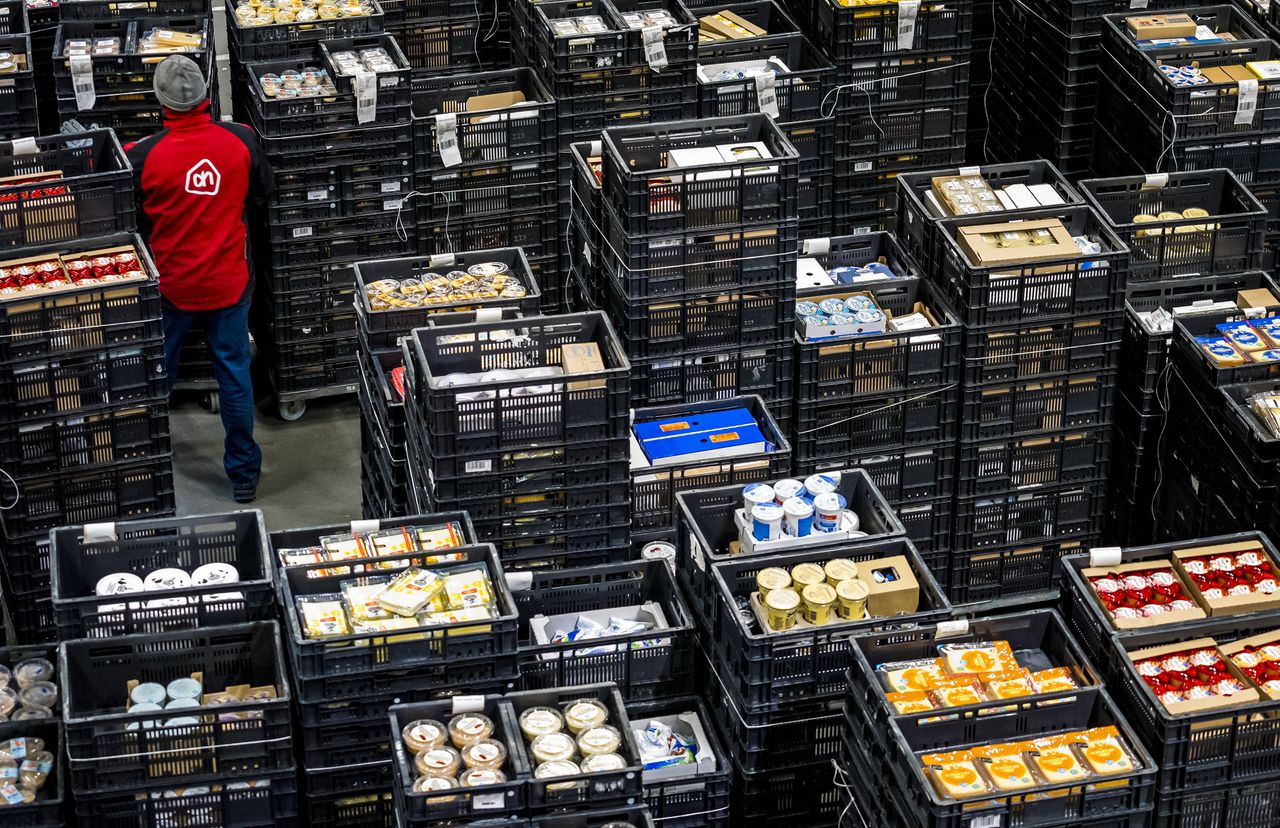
(585, 714)
(423, 734)
(539, 721)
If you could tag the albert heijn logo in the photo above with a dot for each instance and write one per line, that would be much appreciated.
(204, 179)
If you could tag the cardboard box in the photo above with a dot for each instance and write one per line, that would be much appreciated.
(981, 242)
(1163, 618)
(1254, 641)
(1227, 604)
(817, 333)
(582, 358)
(544, 627)
(893, 586)
(1161, 26)
(729, 26)
(1256, 298)
(1247, 696)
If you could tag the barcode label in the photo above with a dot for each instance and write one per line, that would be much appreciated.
(479, 466)
(366, 96)
(447, 139)
(907, 11)
(655, 47)
(767, 93)
(302, 232)
(989, 821)
(82, 82)
(317, 195)
(1247, 105)
(862, 166)
(391, 186)
(389, 204)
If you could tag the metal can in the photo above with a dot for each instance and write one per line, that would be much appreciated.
(819, 603)
(852, 597)
(780, 607)
(771, 578)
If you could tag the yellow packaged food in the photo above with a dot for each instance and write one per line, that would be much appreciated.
(978, 657)
(1005, 765)
(957, 691)
(392, 623)
(342, 548)
(1056, 759)
(469, 588)
(1219, 351)
(459, 616)
(955, 775)
(431, 538)
(1010, 685)
(910, 701)
(361, 598)
(911, 675)
(410, 591)
(1056, 680)
(323, 616)
(1103, 749)
(389, 542)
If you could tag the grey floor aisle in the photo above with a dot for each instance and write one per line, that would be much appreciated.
(310, 471)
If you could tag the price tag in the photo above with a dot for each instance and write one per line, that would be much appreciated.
(479, 466)
(82, 82)
(519, 581)
(447, 139)
(950, 629)
(862, 166)
(1155, 181)
(488, 802)
(907, 11)
(441, 260)
(388, 81)
(695, 553)
(864, 230)
(366, 86)
(302, 232)
(1247, 103)
(317, 195)
(1105, 556)
(655, 47)
(391, 186)
(767, 94)
(970, 171)
(389, 204)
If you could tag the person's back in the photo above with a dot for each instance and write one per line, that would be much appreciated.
(201, 187)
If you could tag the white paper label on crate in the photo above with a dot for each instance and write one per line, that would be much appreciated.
(24, 146)
(441, 260)
(317, 195)
(391, 186)
(366, 89)
(969, 171)
(1105, 556)
(364, 527)
(1155, 181)
(388, 82)
(767, 93)
(519, 581)
(478, 466)
(950, 629)
(597, 148)
(1138, 4)
(447, 139)
(863, 166)
(989, 821)
(586, 252)
(468, 704)
(816, 247)
(82, 82)
(695, 552)
(864, 230)
(488, 802)
(655, 47)
(302, 232)
(907, 11)
(488, 314)
(1247, 101)
(389, 204)
(99, 532)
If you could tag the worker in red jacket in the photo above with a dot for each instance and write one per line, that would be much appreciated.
(201, 185)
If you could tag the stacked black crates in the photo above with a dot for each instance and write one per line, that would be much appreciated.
(106, 54)
(128, 768)
(902, 99)
(1040, 351)
(383, 453)
(485, 168)
(1191, 127)
(524, 425)
(699, 266)
(886, 403)
(343, 687)
(785, 76)
(19, 117)
(1173, 265)
(84, 426)
(441, 36)
(342, 171)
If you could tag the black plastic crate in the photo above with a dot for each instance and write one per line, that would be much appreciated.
(830, 431)
(109, 755)
(1245, 434)
(652, 200)
(1039, 349)
(650, 664)
(886, 80)
(47, 811)
(131, 490)
(497, 801)
(592, 115)
(798, 92)
(535, 231)
(898, 128)
(1051, 459)
(380, 398)
(560, 497)
(13, 17)
(370, 652)
(243, 802)
(768, 671)
(281, 41)
(876, 365)
(592, 407)
(74, 444)
(106, 9)
(850, 36)
(928, 524)
(584, 792)
(698, 800)
(130, 71)
(1012, 517)
(653, 488)
(92, 197)
(1248, 806)
(1229, 243)
(1026, 409)
(82, 556)
(302, 340)
(637, 816)
(733, 371)
(372, 806)
(990, 574)
(441, 46)
(804, 795)
(458, 196)
(1193, 365)
(918, 220)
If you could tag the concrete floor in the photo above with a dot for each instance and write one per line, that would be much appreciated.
(310, 468)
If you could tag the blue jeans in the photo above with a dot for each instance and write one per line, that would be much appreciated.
(227, 331)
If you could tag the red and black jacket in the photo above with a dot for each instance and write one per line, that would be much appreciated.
(200, 185)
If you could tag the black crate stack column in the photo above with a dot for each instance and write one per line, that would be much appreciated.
(525, 426)
(1207, 109)
(981, 81)
(104, 61)
(342, 162)
(699, 257)
(458, 36)
(485, 161)
(606, 62)
(886, 401)
(84, 425)
(903, 97)
(1042, 336)
(1177, 268)
(19, 117)
(386, 293)
(780, 74)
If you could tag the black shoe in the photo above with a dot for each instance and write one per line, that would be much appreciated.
(244, 494)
